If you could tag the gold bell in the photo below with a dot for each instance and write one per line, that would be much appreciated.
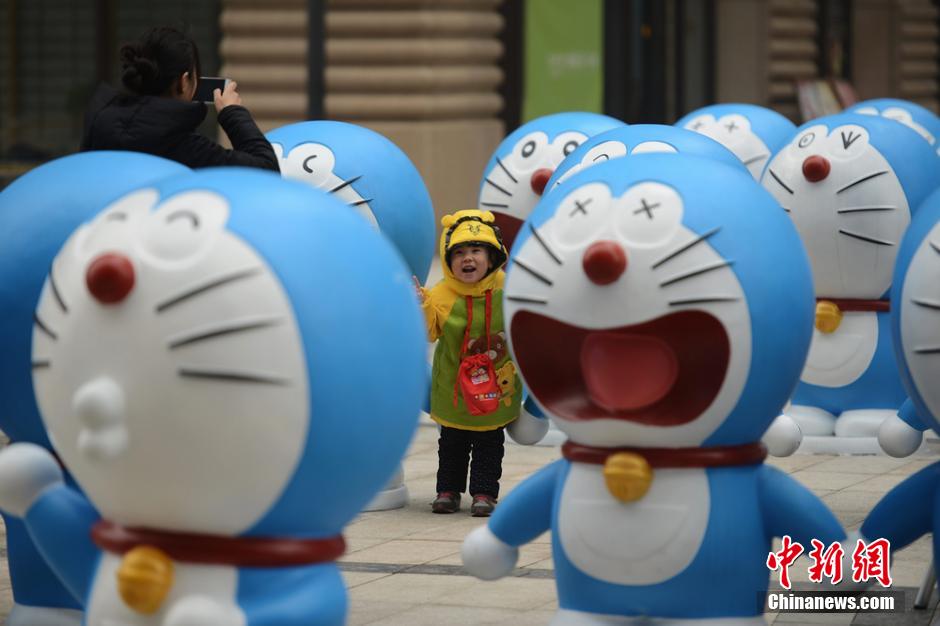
(628, 476)
(144, 578)
(828, 316)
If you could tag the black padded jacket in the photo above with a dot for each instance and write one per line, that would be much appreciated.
(166, 127)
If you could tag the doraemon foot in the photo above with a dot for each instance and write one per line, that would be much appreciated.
(813, 421)
(23, 615)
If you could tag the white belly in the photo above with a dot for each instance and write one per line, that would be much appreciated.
(217, 583)
(838, 359)
(638, 543)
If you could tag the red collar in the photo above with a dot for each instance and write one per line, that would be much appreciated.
(219, 550)
(850, 304)
(746, 454)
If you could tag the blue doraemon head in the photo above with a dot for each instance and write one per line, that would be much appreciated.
(38, 211)
(217, 371)
(752, 132)
(920, 119)
(665, 304)
(915, 310)
(850, 183)
(518, 171)
(369, 173)
(640, 139)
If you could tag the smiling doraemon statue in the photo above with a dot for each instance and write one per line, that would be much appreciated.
(850, 183)
(208, 383)
(38, 211)
(516, 175)
(676, 337)
(752, 132)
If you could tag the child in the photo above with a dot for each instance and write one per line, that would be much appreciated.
(464, 314)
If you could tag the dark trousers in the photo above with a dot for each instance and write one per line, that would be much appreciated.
(453, 455)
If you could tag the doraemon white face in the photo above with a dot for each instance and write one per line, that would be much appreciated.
(899, 115)
(848, 206)
(169, 368)
(920, 319)
(734, 132)
(516, 183)
(602, 300)
(608, 150)
(313, 163)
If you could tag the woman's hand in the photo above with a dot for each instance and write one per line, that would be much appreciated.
(225, 97)
(421, 291)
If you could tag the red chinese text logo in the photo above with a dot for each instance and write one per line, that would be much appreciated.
(871, 561)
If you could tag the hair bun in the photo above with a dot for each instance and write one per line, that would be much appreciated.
(140, 73)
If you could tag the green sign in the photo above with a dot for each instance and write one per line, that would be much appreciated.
(564, 57)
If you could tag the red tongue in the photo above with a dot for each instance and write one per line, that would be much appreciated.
(627, 372)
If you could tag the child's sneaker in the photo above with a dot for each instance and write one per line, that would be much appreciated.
(446, 502)
(482, 505)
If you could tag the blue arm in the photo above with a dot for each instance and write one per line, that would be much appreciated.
(34, 583)
(908, 414)
(906, 512)
(789, 508)
(527, 512)
(314, 595)
(59, 523)
(532, 407)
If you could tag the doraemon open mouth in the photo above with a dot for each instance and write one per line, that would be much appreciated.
(664, 372)
(508, 227)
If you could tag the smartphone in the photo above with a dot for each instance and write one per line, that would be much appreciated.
(207, 85)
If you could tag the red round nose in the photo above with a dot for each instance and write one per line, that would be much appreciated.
(540, 179)
(816, 168)
(604, 262)
(110, 277)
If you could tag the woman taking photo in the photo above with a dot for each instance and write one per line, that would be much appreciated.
(156, 113)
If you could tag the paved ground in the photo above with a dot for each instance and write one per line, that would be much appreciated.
(403, 567)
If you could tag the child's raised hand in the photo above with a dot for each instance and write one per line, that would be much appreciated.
(419, 289)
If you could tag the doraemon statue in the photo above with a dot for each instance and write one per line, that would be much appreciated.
(752, 132)
(516, 175)
(207, 382)
(920, 119)
(639, 139)
(375, 177)
(676, 337)
(909, 510)
(850, 184)
(38, 211)
(369, 173)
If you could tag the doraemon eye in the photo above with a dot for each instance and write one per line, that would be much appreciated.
(567, 143)
(733, 124)
(811, 139)
(528, 149)
(108, 227)
(649, 214)
(700, 122)
(604, 152)
(581, 216)
(569, 147)
(848, 141)
(183, 226)
(647, 147)
(310, 162)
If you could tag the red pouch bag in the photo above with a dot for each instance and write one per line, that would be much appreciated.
(476, 378)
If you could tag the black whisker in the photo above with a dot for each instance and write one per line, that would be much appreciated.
(223, 329)
(705, 300)
(495, 205)
(538, 238)
(359, 202)
(230, 376)
(685, 247)
(527, 300)
(45, 329)
(212, 284)
(56, 293)
(695, 272)
(785, 208)
(508, 173)
(40, 364)
(930, 304)
(864, 209)
(880, 242)
(777, 178)
(488, 181)
(536, 274)
(935, 247)
(931, 350)
(345, 184)
(756, 159)
(862, 180)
